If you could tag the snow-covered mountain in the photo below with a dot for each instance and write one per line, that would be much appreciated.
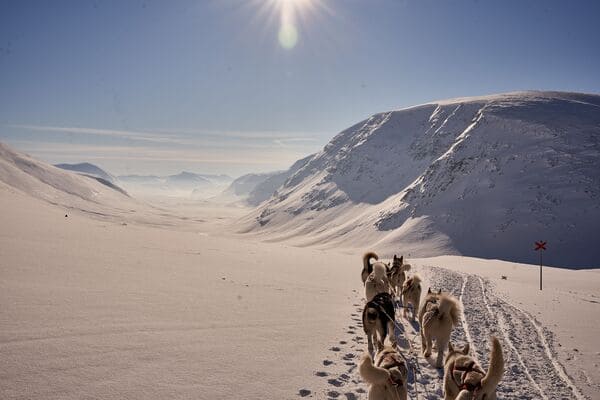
(184, 184)
(256, 188)
(88, 169)
(20, 172)
(482, 176)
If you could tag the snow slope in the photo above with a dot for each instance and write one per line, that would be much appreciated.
(88, 169)
(253, 189)
(145, 304)
(58, 186)
(483, 176)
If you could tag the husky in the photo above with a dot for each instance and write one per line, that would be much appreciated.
(377, 282)
(411, 294)
(387, 376)
(367, 266)
(378, 320)
(397, 273)
(465, 379)
(439, 313)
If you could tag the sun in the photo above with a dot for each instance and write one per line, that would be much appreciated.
(290, 12)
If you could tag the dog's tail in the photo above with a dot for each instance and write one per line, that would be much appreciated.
(449, 306)
(416, 280)
(496, 368)
(372, 374)
(367, 266)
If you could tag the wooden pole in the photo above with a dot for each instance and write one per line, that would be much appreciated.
(541, 251)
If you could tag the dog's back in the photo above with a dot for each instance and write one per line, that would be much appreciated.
(440, 313)
(377, 281)
(379, 310)
(465, 379)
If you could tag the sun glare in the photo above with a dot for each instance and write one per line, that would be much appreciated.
(289, 11)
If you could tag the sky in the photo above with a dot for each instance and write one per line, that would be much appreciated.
(237, 86)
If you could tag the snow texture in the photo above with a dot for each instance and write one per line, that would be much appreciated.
(483, 176)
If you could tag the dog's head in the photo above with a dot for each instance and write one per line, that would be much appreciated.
(454, 352)
(379, 270)
(432, 297)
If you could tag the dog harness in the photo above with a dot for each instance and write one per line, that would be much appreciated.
(466, 382)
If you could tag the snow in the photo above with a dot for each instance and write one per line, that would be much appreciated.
(123, 299)
(482, 177)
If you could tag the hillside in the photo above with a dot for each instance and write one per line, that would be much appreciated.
(88, 169)
(483, 176)
(55, 185)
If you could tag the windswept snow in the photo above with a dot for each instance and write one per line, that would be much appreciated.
(482, 176)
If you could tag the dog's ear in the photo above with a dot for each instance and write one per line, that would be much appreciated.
(466, 349)
(401, 259)
(450, 347)
(429, 291)
(395, 257)
(440, 291)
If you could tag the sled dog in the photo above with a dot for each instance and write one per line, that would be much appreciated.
(397, 273)
(378, 320)
(411, 294)
(439, 313)
(386, 376)
(377, 281)
(465, 379)
(367, 265)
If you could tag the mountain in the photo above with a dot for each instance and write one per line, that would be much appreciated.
(245, 184)
(88, 169)
(183, 184)
(483, 176)
(256, 188)
(188, 180)
(20, 172)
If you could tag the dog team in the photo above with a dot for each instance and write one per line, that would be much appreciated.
(437, 314)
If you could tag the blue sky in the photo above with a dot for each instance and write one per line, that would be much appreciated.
(207, 86)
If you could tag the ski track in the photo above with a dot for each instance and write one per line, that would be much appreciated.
(531, 369)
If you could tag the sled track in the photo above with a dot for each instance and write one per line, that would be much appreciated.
(555, 363)
(531, 369)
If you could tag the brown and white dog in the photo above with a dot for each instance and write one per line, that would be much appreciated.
(411, 295)
(439, 314)
(387, 376)
(465, 379)
(367, 265)
(397, 273)
(378, 320)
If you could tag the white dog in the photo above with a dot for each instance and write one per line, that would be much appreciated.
(465, 379)
(387, 376)
(440, 312)
(377, 282)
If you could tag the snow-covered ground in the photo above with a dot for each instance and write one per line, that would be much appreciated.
(105, 296)
(106, 307)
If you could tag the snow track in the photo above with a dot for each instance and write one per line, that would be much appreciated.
(531, 369)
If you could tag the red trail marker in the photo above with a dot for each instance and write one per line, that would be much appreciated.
(540, 246)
